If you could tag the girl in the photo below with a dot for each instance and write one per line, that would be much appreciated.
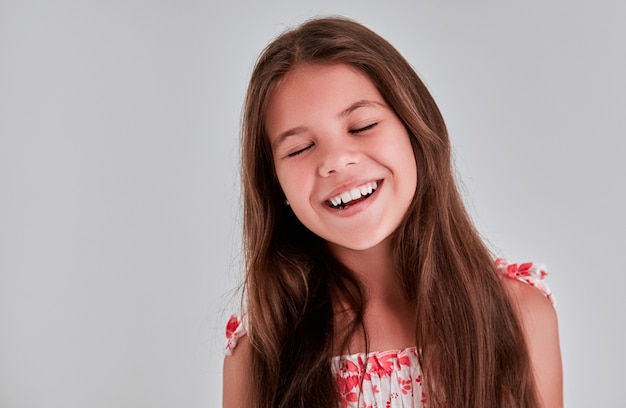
(366, 283)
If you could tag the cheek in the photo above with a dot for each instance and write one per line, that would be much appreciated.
(292, 182)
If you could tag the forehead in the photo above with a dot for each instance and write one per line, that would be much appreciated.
(308, 93)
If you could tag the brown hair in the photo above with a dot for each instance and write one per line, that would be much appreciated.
(472, 351)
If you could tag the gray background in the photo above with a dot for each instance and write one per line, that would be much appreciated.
(119, 193)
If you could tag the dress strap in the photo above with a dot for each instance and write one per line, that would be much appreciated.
(235, 329)
(530, 273)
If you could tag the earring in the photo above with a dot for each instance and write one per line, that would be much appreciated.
(287, 202)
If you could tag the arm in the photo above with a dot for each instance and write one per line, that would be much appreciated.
(236, 385)
(539, 323)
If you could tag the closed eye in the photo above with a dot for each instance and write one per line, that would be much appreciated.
(297, 152)
(363, 129)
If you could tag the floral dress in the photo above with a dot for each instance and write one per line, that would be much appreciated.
(391, 379)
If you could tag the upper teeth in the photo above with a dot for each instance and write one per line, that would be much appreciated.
(354, 193)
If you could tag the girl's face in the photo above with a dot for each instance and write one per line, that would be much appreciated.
(342, 156)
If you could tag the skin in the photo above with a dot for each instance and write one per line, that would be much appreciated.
(235, 385)
(540, 326)
(331, 130)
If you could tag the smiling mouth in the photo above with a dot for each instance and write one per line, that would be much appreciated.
(353, 196)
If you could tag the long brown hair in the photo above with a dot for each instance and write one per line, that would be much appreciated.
(472, 351)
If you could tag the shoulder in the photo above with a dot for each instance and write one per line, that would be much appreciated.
(531, 297)
(236, 370)
(534, 306)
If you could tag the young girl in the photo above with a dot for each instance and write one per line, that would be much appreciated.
(366, 283)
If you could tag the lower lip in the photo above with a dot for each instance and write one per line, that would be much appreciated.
(352, 209)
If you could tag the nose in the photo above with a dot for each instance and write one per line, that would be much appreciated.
(337, 157)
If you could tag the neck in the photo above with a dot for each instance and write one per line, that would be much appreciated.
(388, 317)
(373, 267)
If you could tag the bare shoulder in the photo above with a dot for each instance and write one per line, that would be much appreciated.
(539, 322)
(236, 385)
(528, 298)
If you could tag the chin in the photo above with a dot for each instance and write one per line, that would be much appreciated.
(360, 245)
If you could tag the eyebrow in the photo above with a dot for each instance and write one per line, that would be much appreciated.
(300, 129)
(286, 134)
(360, 104)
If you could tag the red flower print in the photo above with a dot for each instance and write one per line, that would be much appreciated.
(404, 360)
(382, 365)
(348, 383)
(231, 326)
(351, 367)
(524, 269)
(405, 385)
(375, 365)
(352, 397)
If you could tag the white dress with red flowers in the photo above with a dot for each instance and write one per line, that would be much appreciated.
(391, 379)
